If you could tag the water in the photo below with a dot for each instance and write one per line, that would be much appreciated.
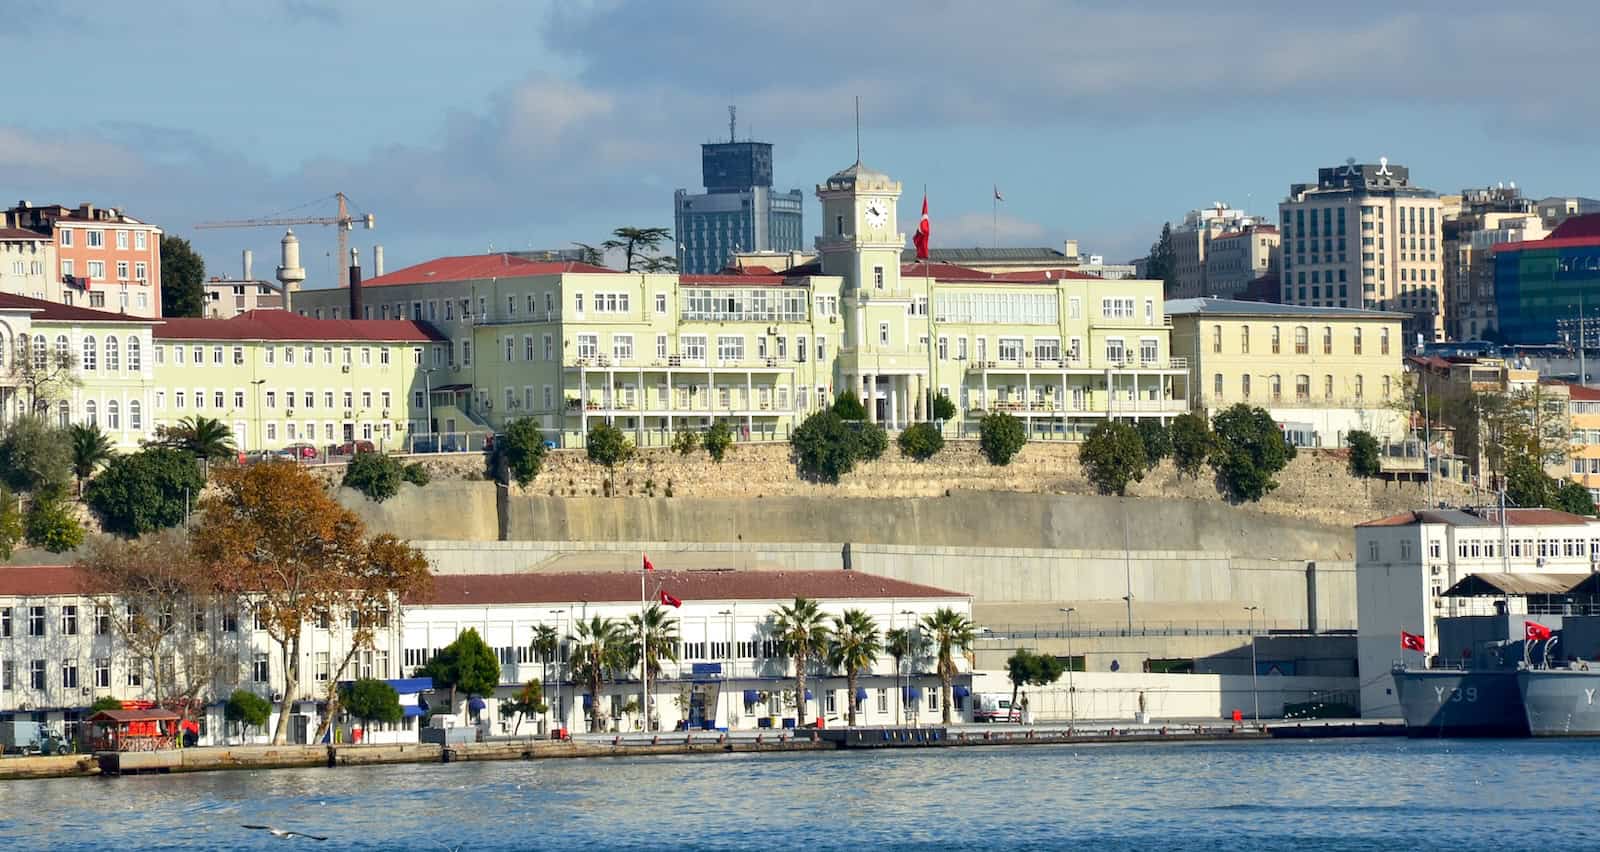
(1349, 794)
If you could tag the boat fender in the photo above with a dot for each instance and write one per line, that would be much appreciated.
(1163, 730)
(1582, 666)
(616, 741)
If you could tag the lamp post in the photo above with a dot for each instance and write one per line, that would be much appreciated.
(727, 614)
(561, 719)
(260, 442)
(1127, 563)
(900, 700)
(1254, 694)
(1071, 695)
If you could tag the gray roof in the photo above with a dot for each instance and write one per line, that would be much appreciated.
(858, 170)
(1236, 308)
(979, 255)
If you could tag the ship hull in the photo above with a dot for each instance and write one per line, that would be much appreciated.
(1561, 702)
(1446, 703)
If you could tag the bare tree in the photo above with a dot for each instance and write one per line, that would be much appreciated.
(41, 374)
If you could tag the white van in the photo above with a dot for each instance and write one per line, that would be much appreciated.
(994, 707)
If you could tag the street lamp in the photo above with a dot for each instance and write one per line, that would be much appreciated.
(561, 718)
(1254, 694)
(258, 383)
(900, 699)
(728, 614)
(1071, 696)
(427, 394)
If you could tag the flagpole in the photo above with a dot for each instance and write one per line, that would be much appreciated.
(927, 287)
(644, 650)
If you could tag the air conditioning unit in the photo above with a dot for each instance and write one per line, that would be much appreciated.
(1434, 570)
(276, 697)
(345, 369)
(833, 320)
(772, 331)
(85, 691)
(1539, 562)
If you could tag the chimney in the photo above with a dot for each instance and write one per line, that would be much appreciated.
(248, 258)
(86, 210)
(377, 261)
(355, 283)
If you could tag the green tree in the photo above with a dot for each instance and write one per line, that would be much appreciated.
(660, 633)
(921, 441)
(1163, 262)
(592, 255)
(872, 441)
(900, 643)
(1025, 668)
(1573, 497)
(202, 437)
(640, 247)
(11, 531)
(801, 631)
(144, 491)
(685, 441)
(415, 474)
(467, 665)
(848, 406)
(519, 453)
(90, 449)
(1001, 437)
(951, 633)
(183, 275)
(608, 447)
(105, 702)
(718, 438)
(943, 408)
(377, 475)
(529, 701)
(1157, 440)
(1192, 443)
(825, 446)
(1364, 461)
(855, 645)
(1112, 456)
(371, 701)
(599, 648)
(544, 645)
(1250, 450)
(51, 525)
(247, 709)
(35, 457)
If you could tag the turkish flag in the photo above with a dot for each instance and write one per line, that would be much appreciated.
(647, 565)
(920, 238)
(1535, 631)
(669, 600)
(1412, 642)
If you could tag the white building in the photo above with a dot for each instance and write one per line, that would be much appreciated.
(1405, 562)
(729, 673)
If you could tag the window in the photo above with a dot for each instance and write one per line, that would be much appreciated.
(883, 334)
(1116, 352)
(622, 347)
(90, 353)
(97, 239)
(1327, 340)
(69, 674)
(36, 674)
(66, 237)
(1356, 342)
(1275, 387)
(102, 673)
(35, 621)
(822, 349)
(1302, 387)
(102, 620)
(692, 347)
(1149, 350)
(1216, 338)
(588, 345)
(261, 668)
(730, 347)
(1327, 387)
(1244, 339)
(1302, 340)
(1244, 386)
(1383, 341)
(661, 346)
(1216, 386)
(113, 354)
(877, 277)
(1276, 341)
(1359, 387)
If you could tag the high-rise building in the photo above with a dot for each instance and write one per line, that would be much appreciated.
(1192, 240)
(738, 212)
(1363, 236)
(1487, 217)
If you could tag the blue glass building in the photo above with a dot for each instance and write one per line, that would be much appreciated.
(739, 211)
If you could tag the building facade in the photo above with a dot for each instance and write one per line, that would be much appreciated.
(1542, 287)
(1236, 258)
(107, 260)
(28, 265)
(1320, 372)
(739, 211)
(1583, 407)
(1487, 217)
(1363, 236)
(1191, 244)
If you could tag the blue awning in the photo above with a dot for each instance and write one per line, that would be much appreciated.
(861, 693)
(809, 696)
(751, 696)
(588, 702)
(409, 712)
(476, 704)
(910, 693)
(960, 691)
(402, 686)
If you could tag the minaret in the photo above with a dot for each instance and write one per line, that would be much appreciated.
(290, 272)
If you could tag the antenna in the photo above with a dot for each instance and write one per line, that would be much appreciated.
(858, 128)
(733, 118)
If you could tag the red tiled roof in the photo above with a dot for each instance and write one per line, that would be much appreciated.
(1583, 393)
(283, 325)
(41, 580)
(1585, 226)
(1514, 518)
(476, 266)
(623, 587)
(43, 310)
(150, 715)
(22, 234)
(732, 278)
(1547, 243)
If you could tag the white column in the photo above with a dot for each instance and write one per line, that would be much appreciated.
(583, 401)
(920, 403)
(894, 401)
(749, 402)
(869, 399)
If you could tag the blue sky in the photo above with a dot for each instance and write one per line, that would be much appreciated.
(480, 124)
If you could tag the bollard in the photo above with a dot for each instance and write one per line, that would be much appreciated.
(616, 740)
(758, 738)
(721, 739)
(1163, 730)
(655, 740)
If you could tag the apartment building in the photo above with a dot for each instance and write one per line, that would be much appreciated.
(105, 258)
(1487, 217)
(1191, 244)
(1236, 258)
(570, 344)
(1543, 286)
(28, 264)
(1583, 407)
(1363, 236)
(1321, 372)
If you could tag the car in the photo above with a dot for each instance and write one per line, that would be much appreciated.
(994, 707)
(350, 448)
(301, 452)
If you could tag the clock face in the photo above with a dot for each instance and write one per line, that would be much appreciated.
(877, 213)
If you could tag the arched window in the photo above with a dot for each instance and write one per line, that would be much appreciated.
(38, 352)
(1275, 387)
(2, 349)
(63, 414)
(1275, 340)
(135, 421)
(63, 350)
(113, 354)
(135, 361)
(22, 348)
(113, 416)
(1302, 340)
(90, 354)
(1327, 340)
(91, 416)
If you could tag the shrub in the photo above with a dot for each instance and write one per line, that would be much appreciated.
(1192, 442)
(874, 440)
(1001, 437)
(145, 491)
(519, 453)
(105, 702)
(35, 457)
(11, 530)
(608, 447)
(848, 406)
(416, 474)
(825, 447)
(247, 708)
(1157, 439)
(685, 441)
(1363, 454)
(718, 438)
(1250, 449)
(372, 701)
(377, 475)
(1573, 497)
(51, 525)
(943, 408)
(921, 441)
(1112, 456)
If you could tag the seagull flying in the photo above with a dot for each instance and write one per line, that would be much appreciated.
(279, 832)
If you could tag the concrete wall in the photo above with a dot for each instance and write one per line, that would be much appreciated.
(1102, 695)
(461, 511)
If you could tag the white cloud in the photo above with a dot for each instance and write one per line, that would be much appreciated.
(982, 229)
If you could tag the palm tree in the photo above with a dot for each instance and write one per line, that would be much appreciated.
(202, 437)
(637, 244)
(660, 634)
(601, 648)
(543, 646)
(90, 447)
(802, 632)
(856, 645)
(951, 632)
(901, 643)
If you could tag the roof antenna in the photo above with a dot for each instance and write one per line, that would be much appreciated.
(858, 128)
(733, 113)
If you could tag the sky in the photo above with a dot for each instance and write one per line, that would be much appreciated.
(484, 125)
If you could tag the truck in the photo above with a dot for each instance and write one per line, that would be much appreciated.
(28, 737)
(994, 707)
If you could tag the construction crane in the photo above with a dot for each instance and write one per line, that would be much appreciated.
(345, 222)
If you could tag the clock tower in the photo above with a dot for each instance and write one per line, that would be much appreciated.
(859, 241)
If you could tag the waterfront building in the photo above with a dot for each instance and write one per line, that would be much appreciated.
(1321, 372)
(1191, 244)
(106, 258)
(1406, 564)
(729, 672)
(739, 211)
(28, 265)
(1236, 258)
(1543, 286)
(1363, 236)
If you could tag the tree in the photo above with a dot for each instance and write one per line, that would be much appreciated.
(1192, 442)
(951, 633)
(467, 665)
(592, 255)
(848, 406)
(42, 374)
(50, 525)
(856, 644)
(1527, 484)
(943, 408)
(145, 491)
(659, 633)
(183, 275)
(371, 701)
(1573, 497)
(872, 441)
(608, 447)
(801, 631)
(1163, 262)
(1157, 440)
(529, 701)
(921, 441)
(718, 438)
(825, 447)
(1001, 437)
(900, 643)
(1250, 449)
(685, 441)
(376, 475)
(199, 436)
(90, 449)
(105, 702)
(11, 531)
(247, 709)
(1112, 456)
(1025, 668)
(639, 247)
(599, 649)
(35, 457)
(1364, 461)
(272, 532)
(544, 646)
(415, 474)
(519, 453)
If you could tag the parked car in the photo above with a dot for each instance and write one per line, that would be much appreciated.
(994, 707)
(350, 448)
(301, 452)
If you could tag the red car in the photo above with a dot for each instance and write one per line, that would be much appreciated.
(350, 448)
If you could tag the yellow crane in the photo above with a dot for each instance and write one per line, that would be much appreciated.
(344, 221)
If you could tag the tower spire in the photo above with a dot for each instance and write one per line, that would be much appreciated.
(733, 117)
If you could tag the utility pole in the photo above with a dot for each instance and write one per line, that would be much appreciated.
(1072, 695)
(1255, 694)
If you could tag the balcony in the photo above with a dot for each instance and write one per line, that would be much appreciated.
(1056, 365)
(677, 362)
